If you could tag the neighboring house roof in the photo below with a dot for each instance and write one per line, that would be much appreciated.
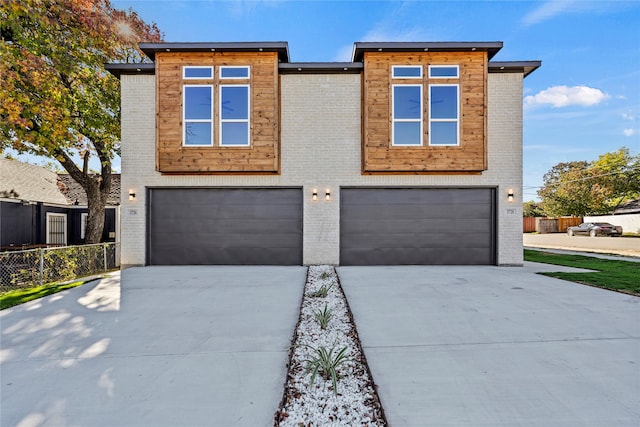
(628, 208)
(74, 191)
(31, 183)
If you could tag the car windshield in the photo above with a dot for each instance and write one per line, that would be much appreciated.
(603, 224)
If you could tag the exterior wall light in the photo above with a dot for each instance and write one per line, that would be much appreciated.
(327, 195)
(314, 195)
(510, 195)
(132, 195)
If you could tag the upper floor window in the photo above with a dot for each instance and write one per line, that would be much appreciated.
(197, 72)
(444, 71)
(234, 72)
(406, 72)
(444, 114)
(407, 115)
(234, 115)
(198, 115)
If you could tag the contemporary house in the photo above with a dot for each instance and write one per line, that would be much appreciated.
(409, 154)
(39, 207)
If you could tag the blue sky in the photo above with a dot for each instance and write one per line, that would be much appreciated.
(583, 101)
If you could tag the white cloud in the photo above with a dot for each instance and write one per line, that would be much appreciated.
(382, 34)
(629, 132)
(564, 96)
(547, 11)
(628, 116)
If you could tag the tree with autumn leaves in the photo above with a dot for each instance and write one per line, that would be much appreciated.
(582, 188)
(56, 99)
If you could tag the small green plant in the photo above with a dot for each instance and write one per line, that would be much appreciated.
(323, 316)
(326, 363)
(322, 292)
(324, 275)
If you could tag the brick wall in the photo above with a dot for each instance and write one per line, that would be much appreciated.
(320, 140)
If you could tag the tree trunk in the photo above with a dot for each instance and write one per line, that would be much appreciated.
(96, 203)
(97, 189)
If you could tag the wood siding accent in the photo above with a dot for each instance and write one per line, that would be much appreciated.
(378, 154)
(263, 154)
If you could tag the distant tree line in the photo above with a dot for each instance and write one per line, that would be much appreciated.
(582, 188)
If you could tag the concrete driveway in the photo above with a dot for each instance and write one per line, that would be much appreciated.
(163, 346)
(496, 346)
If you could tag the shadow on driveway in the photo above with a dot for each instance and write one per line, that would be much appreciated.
(158, 346)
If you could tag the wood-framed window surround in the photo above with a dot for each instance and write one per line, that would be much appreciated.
(197, 115)
(406, 112)
(444, 114)
(197, 72)
(224, 121)
(442, 100)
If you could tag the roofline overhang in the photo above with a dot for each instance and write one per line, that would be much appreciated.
(359, 48)
(282, 48)
(321, 68)
(524, 67)
(118, 69)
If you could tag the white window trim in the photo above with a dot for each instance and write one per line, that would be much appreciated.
(185, 120)
(394, 67)
(224, 67)
(83, 224)
(394, 120)
(247, 120)
(61, 215)
(456, 120)
(184, 72)
(457, 67)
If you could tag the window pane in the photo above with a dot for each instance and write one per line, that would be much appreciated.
(234, 72)
(407, 133)
(444, 133)
(235, 102)
(406, 102)
(407, 72)
(443, 72)
(444, 102)
(197, 102)
(234, 133)
(198, 134)
(198, 72)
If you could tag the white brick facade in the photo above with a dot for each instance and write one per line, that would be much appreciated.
(321, 148)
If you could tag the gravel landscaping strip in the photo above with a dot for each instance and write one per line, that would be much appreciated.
(354, 402)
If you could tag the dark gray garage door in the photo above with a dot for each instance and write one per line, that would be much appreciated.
(257, 226)
(417, 226)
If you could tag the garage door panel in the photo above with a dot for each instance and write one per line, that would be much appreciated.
(419, 196)
(456, 225)
(415, 211)
(463, 256)
(225, 226)
(222, 196)
(407, 226)
(416, 240)
(236, 226)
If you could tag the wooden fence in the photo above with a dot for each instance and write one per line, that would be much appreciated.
(549, 225)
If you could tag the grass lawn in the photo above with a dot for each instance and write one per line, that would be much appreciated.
(616, 275)
(22, 295)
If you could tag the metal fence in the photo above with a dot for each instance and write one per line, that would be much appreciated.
(46, 265)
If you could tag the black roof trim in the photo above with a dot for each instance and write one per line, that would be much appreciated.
(525, 67)
(282, 48)
(321, 68)
(118, 69)
(359, 48)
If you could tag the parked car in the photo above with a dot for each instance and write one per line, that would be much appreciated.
(594, 229)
